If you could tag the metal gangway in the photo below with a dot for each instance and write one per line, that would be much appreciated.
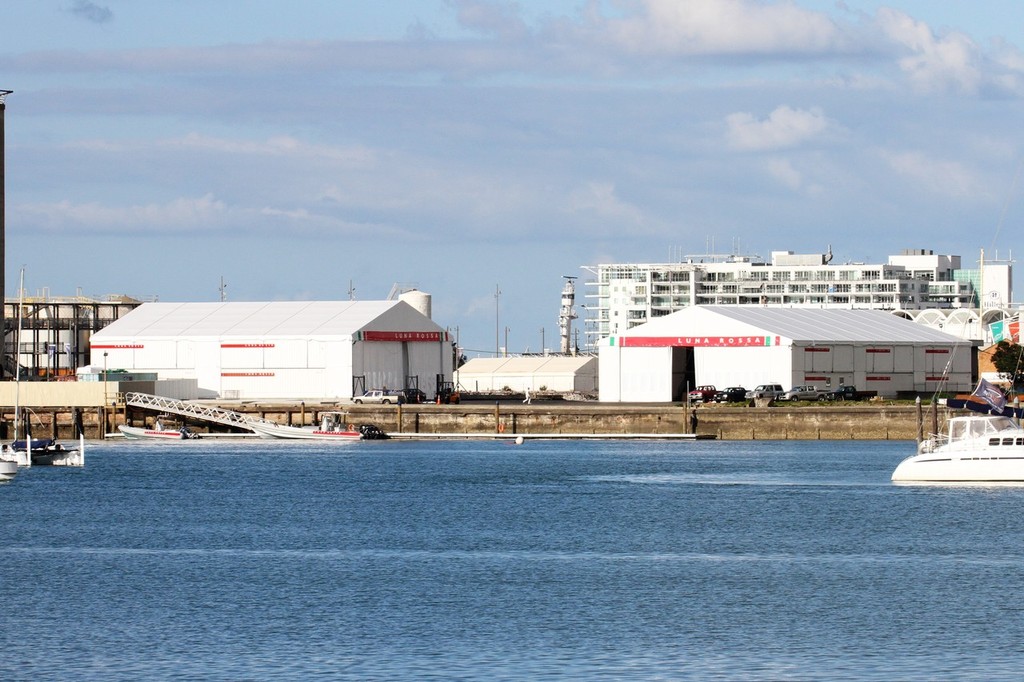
(190, 409)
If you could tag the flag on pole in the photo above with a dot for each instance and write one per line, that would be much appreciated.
(991, 394)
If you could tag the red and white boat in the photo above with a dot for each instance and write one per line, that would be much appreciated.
(332, 428)
(157, 433)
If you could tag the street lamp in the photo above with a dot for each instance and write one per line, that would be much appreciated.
(497, 319)
(104, 382)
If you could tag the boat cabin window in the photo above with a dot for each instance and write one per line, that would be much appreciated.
(967, 427)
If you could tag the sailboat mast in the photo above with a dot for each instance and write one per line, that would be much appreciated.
(17, 356)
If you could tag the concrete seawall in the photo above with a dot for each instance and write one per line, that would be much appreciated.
(858, 421)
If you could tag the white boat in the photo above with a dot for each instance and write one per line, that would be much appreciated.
(156, 433)
(45, 452)
(332, 427)
(30, 451)
(975, 448)
(56, 454)
(8, 469)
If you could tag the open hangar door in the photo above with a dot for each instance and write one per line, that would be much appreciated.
(684, 373)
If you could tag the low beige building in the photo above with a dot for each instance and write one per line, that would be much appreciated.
(549, 373)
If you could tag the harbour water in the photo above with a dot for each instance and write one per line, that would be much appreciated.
(610, 560)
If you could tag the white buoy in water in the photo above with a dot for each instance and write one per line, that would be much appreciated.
(519, 440)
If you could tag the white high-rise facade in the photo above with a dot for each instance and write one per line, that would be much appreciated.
(625, 295)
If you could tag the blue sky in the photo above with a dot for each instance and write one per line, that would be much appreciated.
(301, 150)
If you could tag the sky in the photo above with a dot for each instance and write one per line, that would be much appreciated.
(482, 150)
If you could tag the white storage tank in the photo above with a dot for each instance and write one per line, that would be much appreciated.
(418, 300)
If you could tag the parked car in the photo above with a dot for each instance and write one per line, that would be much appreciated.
(703, 394)
(413, 396)
(773, 391)
(805, 392)
(378, 396)
(843, 392)
(732, 394)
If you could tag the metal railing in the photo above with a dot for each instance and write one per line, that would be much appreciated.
(190, 409)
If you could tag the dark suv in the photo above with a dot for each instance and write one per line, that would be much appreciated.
(733, 394)
(844, 392)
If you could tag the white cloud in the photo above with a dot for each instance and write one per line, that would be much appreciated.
(179, 214)
(601, 201)
(937, 176)
(683, 27)
(785, 127)
(498, 19)
(783, 171)
(283, 145)
(934, 63)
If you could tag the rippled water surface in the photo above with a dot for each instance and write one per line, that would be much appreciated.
(465, 560)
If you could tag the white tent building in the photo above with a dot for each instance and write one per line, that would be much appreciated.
(559, 373)
(745, 346)
(298, 350)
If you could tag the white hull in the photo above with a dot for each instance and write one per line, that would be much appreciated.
(978, 467)
(977, 449)
(57, 458)
(271, 430)
(8, 470)
(136, 433)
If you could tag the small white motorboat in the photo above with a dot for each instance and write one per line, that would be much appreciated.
(157, 433)
(332, 427)
(47, 452)
(8, 469)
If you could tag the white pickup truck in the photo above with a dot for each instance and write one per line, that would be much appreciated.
(377, 396)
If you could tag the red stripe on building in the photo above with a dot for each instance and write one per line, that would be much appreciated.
(403, 336)
(877, 350)
(697, 341)
(115, 346)
(247, 374)
(816, 349)
(879, 378)
(810, 378)
(246, 345)
(936, 378)
(936, 350)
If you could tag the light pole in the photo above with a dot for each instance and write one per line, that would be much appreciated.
(104, 394)
(497, 322)
(506, 342)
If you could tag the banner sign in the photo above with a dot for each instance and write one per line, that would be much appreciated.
(694, 341)
(1005, 330)
(401, 336)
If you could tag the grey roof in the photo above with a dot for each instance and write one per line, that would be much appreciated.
(830, 324)
(257, 319)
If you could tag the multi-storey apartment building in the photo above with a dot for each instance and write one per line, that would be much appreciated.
(622, 296)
